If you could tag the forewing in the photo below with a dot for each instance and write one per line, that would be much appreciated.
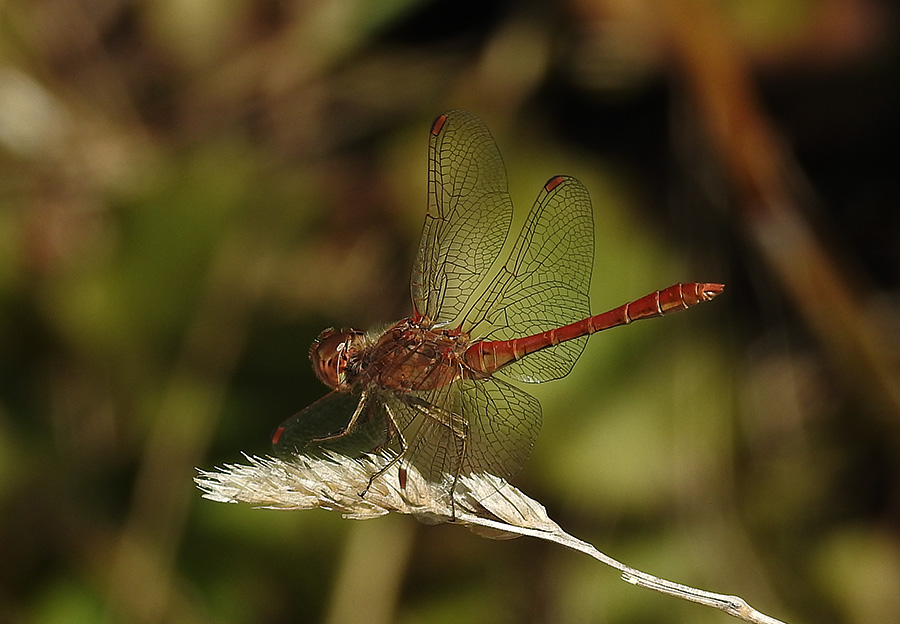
(319, 427)
(545, 282)
(468, 217)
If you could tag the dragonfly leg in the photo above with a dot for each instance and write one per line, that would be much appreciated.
(393, 430)
(462, 455)
(350, 424)
(458, 428)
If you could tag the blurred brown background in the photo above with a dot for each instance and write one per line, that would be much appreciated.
(191, 191)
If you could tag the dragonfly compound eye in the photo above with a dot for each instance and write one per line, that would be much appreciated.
(330, 355)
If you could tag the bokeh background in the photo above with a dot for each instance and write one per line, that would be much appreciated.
(191, 191)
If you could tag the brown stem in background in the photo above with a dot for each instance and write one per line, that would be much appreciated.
(761, 172)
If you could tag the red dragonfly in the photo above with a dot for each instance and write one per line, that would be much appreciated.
(433, 387)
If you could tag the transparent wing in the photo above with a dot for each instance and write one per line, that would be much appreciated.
(320, 426)
(470, 426)
(544, 283)
(469, 212)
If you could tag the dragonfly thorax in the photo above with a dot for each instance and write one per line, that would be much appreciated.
(333, 353)
(412, 355)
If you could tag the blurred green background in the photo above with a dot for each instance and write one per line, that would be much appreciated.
(191, 191)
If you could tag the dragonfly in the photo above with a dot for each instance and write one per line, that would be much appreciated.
(438, 387)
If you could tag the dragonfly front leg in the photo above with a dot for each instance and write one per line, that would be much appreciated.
(351, 424)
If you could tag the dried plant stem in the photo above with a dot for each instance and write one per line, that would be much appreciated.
(486, 504)
(733, 605)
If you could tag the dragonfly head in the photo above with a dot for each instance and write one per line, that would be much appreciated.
(331, 356)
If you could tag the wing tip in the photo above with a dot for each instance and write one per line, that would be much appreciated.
(551, 184)
(438, 125)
